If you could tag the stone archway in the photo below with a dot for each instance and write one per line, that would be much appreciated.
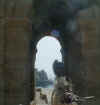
(17, 47)
(43, 35)
(71, 43)
(70, 40)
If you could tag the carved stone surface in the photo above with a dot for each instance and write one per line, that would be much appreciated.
(15, 85)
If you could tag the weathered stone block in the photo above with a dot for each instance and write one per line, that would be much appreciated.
(2, 86)
(2, 3)
(19, 9)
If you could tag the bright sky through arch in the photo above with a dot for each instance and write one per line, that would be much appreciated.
(48, 50)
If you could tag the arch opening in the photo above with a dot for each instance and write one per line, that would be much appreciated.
(48, 50)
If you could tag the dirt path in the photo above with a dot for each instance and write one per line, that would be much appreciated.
(46, 91)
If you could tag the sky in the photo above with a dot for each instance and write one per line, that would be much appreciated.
(48, 50)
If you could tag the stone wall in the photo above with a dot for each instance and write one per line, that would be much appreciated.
(89, 25)
(15, 85)
(16, 57)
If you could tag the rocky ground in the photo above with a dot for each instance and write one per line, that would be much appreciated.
(48, 92)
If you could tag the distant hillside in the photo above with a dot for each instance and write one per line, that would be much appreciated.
(42, 79)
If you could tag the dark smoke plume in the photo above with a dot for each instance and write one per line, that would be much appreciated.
(50, 14)
(58, 68)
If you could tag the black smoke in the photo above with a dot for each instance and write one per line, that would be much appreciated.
(58, 68)
(62, 11)
(52, 14)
